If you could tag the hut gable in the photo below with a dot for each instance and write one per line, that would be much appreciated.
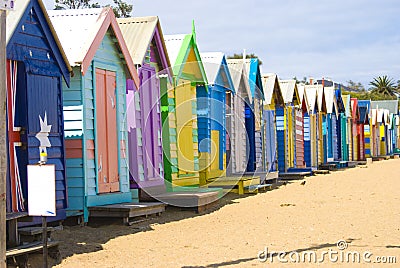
(217, 71)
(81, 32)
(290, 91)
(239, 79)
(272, 90)
(29, 31)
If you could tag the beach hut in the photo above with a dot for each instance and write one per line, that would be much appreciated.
(386, 108)
(145, 42)
(332, 112)
(212, 124)
(311, 127)
(181, 145)
(363, 121)
(321, 122)
(253, 112)
(365, 107)
(301, 129)
(347, 129)
(355, 116)
(237, 140)
(36, 67)
(273, 101)
(95, 108)
(291, 98)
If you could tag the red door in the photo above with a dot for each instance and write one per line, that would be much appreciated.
(106, 132)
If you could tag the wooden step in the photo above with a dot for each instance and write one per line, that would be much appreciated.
(30, 248)
(321, 171)
(200, 201)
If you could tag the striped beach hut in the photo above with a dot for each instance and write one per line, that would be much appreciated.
(253, 112)
(95, 108)
(36, 67)
(145, 42)
(237, 140)
(212, 124)
(355, 116)
(180, 131)
(365, 107)
(332, 115)
(311, 127)
(347, 129)
(273, 101)
(291, 98)
(341, 126)
(321, 122)
(363, 121)
(302, 130)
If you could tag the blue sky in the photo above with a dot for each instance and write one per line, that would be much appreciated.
(342, 40)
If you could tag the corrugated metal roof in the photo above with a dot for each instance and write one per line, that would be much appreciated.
(238, 73)
(174, 44)
(138, 33)
(77, 29)
(14, 17)
(212, 62)
(269, 81)
(391, 105)
(287, 89)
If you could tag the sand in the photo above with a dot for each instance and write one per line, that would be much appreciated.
(360, 206)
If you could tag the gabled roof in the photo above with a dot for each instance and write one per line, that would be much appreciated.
(289, 91)
(240, 78)
(321, 98)
(217, 70)
(347, 106)
(254, 75)
(272, 87)
(354, 108)
(139, 33)
(330, 100)
(311, 92)
(179, 47)
(303, 97)
(391, 105)
(14, 18)
(364, 117)
(81, 32)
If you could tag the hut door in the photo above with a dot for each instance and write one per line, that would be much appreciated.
(184, 119)
(151, 121)
(106, 132)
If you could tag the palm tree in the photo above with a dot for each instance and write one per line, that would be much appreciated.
(383, 85)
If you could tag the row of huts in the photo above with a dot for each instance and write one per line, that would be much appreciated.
(124, 109)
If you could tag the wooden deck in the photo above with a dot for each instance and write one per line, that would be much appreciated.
(127, 210)
(240, 185)
(19, 256)
(200, 201)
(294, 175)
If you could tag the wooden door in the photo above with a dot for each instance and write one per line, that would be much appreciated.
(184, 119)
(106, 132)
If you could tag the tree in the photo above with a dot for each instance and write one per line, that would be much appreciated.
(248, 56)
(383, 85)
(121, 10)
(74, 4)
(353, 86)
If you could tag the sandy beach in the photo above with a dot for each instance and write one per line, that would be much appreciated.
(359, 207)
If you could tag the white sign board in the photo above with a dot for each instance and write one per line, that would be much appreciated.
(7, 4)
(41, 190)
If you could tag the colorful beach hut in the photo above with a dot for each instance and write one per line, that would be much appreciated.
(341, 127)
(302, 130)
(212, 124)
(311, 127)
(363, 120)
(365, 107)
(36, 67)
(273, 101)
(95, 108)
(253, 112)
(332, 113)
(321, 122)
(181, 142)
(145, 42)
(291, 98)
(237, 140)
(347, 136)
